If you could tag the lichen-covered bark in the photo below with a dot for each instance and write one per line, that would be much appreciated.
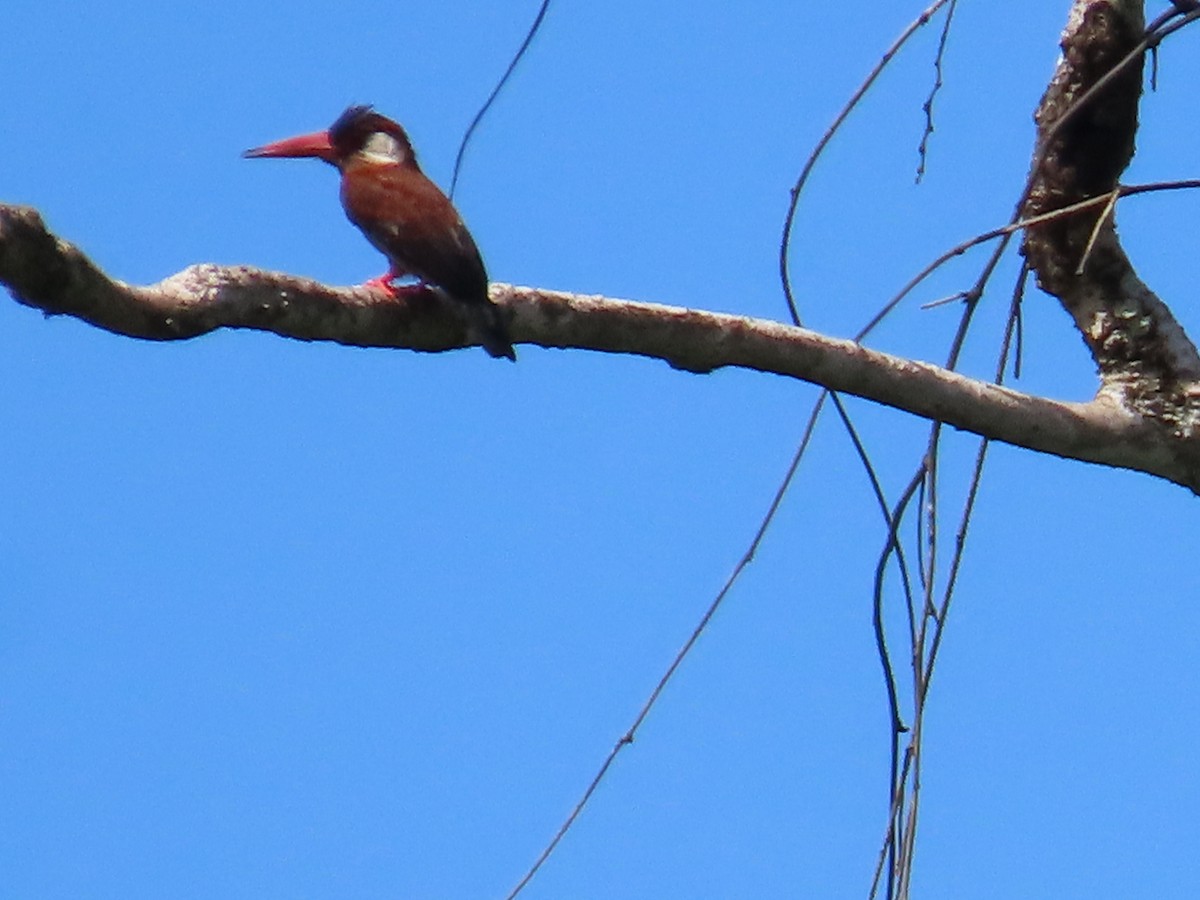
(1145, 416)
(1087, 123)
(51, 275)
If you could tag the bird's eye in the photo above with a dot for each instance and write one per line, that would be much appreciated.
(383, 148)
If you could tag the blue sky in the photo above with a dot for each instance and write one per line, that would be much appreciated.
(299, 620)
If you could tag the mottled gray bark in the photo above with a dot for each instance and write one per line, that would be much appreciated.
(1143, 417)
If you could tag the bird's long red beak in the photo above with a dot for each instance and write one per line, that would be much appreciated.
(316, 144)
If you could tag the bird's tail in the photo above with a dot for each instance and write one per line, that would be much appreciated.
(493, 333)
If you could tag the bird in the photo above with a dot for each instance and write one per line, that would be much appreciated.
(404, 215)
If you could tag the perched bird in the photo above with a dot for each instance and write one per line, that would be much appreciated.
(402, 213)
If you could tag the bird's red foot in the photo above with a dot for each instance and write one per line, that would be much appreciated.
(383, 283)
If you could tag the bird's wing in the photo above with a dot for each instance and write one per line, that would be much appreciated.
(411, 221)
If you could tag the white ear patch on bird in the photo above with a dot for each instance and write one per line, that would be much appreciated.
(382, 148)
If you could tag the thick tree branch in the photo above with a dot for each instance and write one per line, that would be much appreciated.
(1087, 122)
(49, 274)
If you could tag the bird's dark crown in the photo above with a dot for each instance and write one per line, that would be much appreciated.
(353, 130)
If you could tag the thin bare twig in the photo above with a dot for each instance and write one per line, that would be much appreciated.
(487, 104)
(629, 735)
(1109, 208)
(786, 238)
(927, 107)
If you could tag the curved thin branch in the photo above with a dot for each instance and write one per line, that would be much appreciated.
(785, 240)
(487, 104)
(47, 273)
